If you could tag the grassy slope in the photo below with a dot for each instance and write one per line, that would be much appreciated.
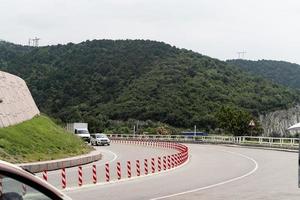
(38, 139)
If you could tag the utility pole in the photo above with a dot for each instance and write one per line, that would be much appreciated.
(33, 42)
(241, 54)
(195, 130)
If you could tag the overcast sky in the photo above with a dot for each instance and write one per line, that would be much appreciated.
(265, 29)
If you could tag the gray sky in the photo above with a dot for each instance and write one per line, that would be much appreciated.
(265, 29)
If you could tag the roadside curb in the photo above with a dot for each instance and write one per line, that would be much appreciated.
(62, 163)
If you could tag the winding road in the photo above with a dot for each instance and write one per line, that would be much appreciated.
(212, 172)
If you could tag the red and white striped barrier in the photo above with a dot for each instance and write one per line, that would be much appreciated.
(24, 189)
(156, 164)
(94, 174)
(128, 169)
(119, 170)
(1, 187)
(138, 168)
(146, 166)
(45, 175)
(159, 164)
(172, 161)
(63, 178)
(107, 174)
(153, 165)
(169, 162)
(165, 162)
(80, 175)
(176, 160)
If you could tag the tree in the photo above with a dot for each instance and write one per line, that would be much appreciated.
(236, 121)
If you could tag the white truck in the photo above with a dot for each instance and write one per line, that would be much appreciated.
(81, 130)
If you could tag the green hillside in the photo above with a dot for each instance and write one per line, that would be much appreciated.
(281, 72)
(38, 139)
(102, 80)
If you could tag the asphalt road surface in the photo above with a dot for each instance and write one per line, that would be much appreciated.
(213, 172)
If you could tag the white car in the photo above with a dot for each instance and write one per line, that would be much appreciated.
(99, 139)
(18, 184)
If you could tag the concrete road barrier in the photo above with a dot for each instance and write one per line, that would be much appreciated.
(63, 163)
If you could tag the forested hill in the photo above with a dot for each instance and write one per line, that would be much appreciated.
(104, 79)
(280, 72)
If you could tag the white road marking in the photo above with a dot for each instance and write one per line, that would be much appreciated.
(217, 184)
(112, 160)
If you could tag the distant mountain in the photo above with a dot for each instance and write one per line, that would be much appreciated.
(97, 80)
(281, 72)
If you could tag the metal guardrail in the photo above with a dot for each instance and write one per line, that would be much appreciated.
(241, 140)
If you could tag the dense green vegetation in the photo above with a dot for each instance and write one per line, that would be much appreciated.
(281, 72)
(236, 122)
(141, 127)
(38, 139)
(105, 81)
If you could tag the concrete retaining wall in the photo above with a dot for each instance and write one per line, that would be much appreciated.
(16, 102)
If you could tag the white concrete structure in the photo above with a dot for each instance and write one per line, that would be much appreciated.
(16, 102)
